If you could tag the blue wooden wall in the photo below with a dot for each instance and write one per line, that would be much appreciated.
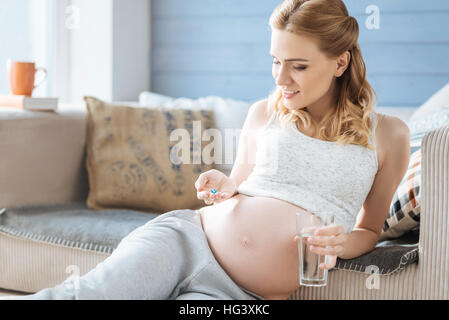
(221, 47)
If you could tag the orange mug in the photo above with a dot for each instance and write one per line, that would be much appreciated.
(22, 77)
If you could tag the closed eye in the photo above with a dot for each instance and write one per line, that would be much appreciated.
(299, 68)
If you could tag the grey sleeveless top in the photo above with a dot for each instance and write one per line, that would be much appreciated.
(317, 175)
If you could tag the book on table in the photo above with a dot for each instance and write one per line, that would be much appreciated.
(29, 103)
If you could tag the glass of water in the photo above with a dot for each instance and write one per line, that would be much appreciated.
(309, 272)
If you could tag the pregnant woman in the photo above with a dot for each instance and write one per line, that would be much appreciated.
(314, 145)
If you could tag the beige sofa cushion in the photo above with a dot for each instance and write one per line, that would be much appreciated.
(128, 157)
(42, 159)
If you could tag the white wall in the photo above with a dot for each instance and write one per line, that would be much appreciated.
(90, 50)
(14, 37)
(108, 52)
(131, 49)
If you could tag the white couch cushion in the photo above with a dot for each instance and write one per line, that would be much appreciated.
(229, 113)
(438, 100)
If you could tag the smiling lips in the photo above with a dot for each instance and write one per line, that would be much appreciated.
(289, 94)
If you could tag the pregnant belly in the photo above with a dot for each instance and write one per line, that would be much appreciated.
(252, 238)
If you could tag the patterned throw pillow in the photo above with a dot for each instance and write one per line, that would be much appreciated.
(405, 207)
(130, 156)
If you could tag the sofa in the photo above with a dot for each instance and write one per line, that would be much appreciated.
(48, 234)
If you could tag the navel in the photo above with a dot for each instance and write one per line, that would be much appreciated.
(245, 242)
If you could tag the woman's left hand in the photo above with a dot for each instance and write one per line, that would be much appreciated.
(328, 240)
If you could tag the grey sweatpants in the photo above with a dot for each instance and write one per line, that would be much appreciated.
(167, 258)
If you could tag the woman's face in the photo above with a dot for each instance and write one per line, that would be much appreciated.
(304, 74)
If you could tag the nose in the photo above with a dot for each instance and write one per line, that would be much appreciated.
(282, 76)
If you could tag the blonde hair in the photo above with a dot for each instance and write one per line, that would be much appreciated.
(336, 32)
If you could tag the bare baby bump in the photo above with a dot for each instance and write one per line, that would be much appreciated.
(253, 240)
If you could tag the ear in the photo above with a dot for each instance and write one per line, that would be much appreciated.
(342, 63)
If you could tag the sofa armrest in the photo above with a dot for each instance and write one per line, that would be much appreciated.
(42, 157)
(433, 277)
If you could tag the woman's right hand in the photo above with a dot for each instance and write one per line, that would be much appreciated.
(214, 179)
